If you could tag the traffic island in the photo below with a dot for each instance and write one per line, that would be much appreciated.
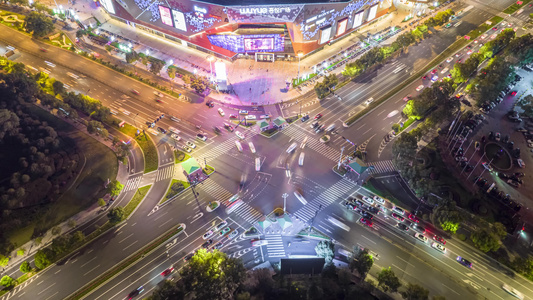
(212, 206)
(208, 170)
(312, 232)
(324, 139)
(176, 186)
(340, 171)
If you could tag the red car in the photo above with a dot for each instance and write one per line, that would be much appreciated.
(136, 92)
(167, 272)
(398, 217)
(434, 71)
(413, 218)
(233, 117)
(439, 239)
(367, 222)
(318, 116)
(513, 93)
(494, 28)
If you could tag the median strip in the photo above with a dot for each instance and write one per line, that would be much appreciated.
(88, 288)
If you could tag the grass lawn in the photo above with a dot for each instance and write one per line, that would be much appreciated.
(170, 193)
(383, 194)
(208, 170)
(511, 9)
(484, 27)
(145, 142)
(180, 156)
(136, 200)
(269, 133)
(101, 165)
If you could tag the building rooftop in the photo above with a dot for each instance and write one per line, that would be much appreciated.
(268, 2)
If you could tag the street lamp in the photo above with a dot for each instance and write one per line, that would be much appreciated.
(285, 195)
(300, 54)
(210, 58)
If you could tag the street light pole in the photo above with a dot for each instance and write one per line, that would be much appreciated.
(340, 159)
(285, 195)
(300, 54)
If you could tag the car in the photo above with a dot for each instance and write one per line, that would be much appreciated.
(513, 93)
(398, 217)
(351, 206)
(484, 36)
(158, 94)
(187, 149)
(402, 226)
(207, 244)
(243, 112)
(469, 52)
(251, 117)
(448, 25)
(265, 116)
(464, 262)
(421, 237)
(233, 116)
(233, 234)
(176, 137)
(190, 144)
(519, 174)
(434, 71)
(513, 183)
(398, 210)
(167, 272)
(239, 135)
(188, 257)
(216, 129)
(136, 92)
(162, 130)
(258, 242)
(233, 198)
(221, 112)
(443, 71)
(135, 292)
(367, 215)
(208, 234)
(379, 200)
(487, 166)
(305, 118)
(449, 59)
(218, 245)
(173, 130)
(367, 222)
(419, 88)
(210, 104)
(228, 127)
(413, 218)
(374, 210)
(368, 200)
(221, 225)
(434, 78)
(439, 247)
(370, 100)
(407, 98)
(512, 290)
(318, 116)
(439, 239)
(497, 136)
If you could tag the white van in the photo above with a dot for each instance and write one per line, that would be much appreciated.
(239, 146)
(292, 147)
(301, 159)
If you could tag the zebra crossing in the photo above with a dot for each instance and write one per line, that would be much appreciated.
(247, 213)
(132, 183)
(216, 191)
(165, 173)
(299, 134)
(342, 188)
(220, 149)
(275, 247)
(379, 167)
(18, 288)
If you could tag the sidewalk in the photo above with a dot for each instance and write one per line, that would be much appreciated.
(254, 83)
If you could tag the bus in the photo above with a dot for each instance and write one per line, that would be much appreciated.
(257, 164)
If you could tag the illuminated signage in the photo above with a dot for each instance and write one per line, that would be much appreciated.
(179, 20)
(258, 44)
(341, 26)
(200, 10)
(263, 10)
(166, 16)
(108, 5)
(325, 34)
(358, 19)
(220, 71)
(372, 13)
(311, 19)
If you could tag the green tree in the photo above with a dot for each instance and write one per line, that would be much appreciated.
(7, 281)
(59, 87)
(116, 215)
(485, 240)
(198, 85)
(321, 90)
(156, 66)
(93, 127)
(80, 33)
(396, 127)
(404, 151)
(132, 57)
(169, 290)
(526, 103)
(43, 258)
(212, 275)
(362, 263)
(388, 281)
(39, 24)
(25, 267)
(415, 292)
(325, 249)
(101, 202)
(499, 230)
(187, 79)
(114, 188)
(447, 216)
(171, 72)
(20, 2)
(4, 260)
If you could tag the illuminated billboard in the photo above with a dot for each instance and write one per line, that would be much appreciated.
(108, 5)
(325, 34)
(179, 20)
(341, 26)
(358, 19)
(166, 17)
(372, 13)
(258, 44)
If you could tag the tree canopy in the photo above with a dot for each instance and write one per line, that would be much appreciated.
(388, 281)
(415, 292)
(362, 263)
(325, 249)
(116, 214)
(39, 24)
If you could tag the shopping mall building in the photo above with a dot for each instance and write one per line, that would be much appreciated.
(260, 29)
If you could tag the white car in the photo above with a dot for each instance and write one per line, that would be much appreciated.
(176, 137)
(252, 147)
(367, 102)
(239, 135)
(221, 225)
(379, 200)
(444, 70)
(243, 112)
(484, 36)
(187, 149)
(449, 59)
(368, 200)
(221, 112)
(421, 237)
(257, 243)
(173, 130)
(439, 247)
(509, 289)
(251, 117)
(191, 144)
(158, 94)
(208, 234)
(420, 87)
(233, 234)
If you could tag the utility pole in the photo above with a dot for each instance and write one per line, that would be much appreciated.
(285, 195)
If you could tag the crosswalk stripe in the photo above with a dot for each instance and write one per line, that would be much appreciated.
(313, 143)
(383, 166)
(164, 173)
(132, 183)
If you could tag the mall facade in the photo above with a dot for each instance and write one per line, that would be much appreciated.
(265, 30)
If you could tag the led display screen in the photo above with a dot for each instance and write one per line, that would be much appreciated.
(179, 20)
(258, 44)
(108, 4)
(341, 27)
(372, 13)
(358, 19)
(166, 17)
(325, 34)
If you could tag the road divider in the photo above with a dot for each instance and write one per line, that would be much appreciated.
(126, 263)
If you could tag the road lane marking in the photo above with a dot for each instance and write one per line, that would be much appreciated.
(450, 289)
(129, 245)
(125, 238)
(401, 270)
(52, 296)
(367, 238)
(405, 261)
(42, 291)
(88, 262)
(91, 270)
(166, 223)
(160, 216)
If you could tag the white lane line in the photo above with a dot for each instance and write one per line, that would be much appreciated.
(450, 289)
(381, 112)
(165, 223)
(42, 291)
(91, 270)
(51, 296)
(401, 270)
(129, 245)
(367, 131)
(405, 261)
(122, 240)
(88, 262)
(367, 238)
